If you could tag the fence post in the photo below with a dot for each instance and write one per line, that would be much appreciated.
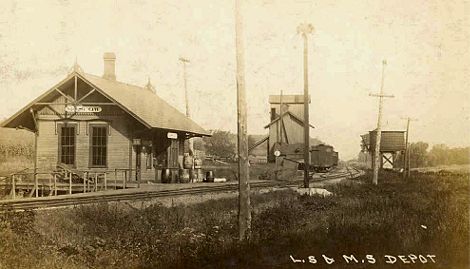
(105, 182)
(96, 181)
(115, 178)
(87, 182)
(70, 183)
(84, 182)
(50, 185)
(13, 187)
(125, 179)
(55, 184)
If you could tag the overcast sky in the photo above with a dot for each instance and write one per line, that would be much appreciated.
(426, 45)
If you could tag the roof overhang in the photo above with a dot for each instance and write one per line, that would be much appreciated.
(24, 119)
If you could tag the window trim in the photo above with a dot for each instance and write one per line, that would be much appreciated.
(90, 144)
(59, 143)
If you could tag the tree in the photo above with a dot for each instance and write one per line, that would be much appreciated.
(438, 155)
(441, 154)
(198, 143)
(220, 144)
(418, 154)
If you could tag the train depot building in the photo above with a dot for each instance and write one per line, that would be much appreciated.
(89, 124)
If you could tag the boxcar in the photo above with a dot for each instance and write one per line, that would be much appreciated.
(323, 157)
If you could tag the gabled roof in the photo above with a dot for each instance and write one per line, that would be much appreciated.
(142, 104)
(146, 105)
(292, 115)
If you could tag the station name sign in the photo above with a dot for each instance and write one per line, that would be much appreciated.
(82, 109)
(172, 135)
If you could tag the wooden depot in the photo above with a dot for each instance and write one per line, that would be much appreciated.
(95, 132)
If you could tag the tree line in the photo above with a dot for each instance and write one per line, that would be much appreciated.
(422, 155)
(439, 154)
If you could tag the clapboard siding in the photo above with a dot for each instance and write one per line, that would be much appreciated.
(118, 143)
(47, 145)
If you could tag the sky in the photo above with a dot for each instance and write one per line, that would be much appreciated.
(425, 44)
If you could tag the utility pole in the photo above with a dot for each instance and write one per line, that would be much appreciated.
(280, 124)
(244, 211)
(377, 156)
(305, 29)
(186, 61)
(406, 159)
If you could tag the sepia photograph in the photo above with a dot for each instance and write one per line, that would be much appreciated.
(327, 134)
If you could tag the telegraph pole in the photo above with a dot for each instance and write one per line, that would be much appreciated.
(305, 29)
(377, 156)
(186, 61)
(406, 159)
(244, 211)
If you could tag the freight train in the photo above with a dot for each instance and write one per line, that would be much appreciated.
(323, 158)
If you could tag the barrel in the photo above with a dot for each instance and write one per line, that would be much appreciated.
(197, 163)
(210, 176)
(187, 161)
(166, 176)
(184, 175)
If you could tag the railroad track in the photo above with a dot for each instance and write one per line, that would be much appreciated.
(79, 199)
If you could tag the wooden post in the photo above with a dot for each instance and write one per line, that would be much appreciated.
(35, 157)
(406, 149)
(304, 30)
(377, 158)
(96, 182)
(55, 184)
(244, 210)
(125, 179)
(87, 182)
(35, 168)
(138, 164)
(115, 178)
(129, 175)
(70, 183)
(50, 184)
(409, 163)
(190, 141)
(105, 183)
(406, 157)
(84, 182)
(306, 116)
(13, 187)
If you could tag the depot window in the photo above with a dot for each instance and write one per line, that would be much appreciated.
(67, 144)
(98, 145)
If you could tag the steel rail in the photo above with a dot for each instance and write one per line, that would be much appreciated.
(80, 199)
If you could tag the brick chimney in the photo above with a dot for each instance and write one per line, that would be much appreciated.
(109, 65)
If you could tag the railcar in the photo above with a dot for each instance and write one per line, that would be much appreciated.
(323, 158)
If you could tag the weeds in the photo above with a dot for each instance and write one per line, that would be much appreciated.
(425, 214)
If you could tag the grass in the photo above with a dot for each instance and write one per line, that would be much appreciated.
(14, 164)
(359, 219)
